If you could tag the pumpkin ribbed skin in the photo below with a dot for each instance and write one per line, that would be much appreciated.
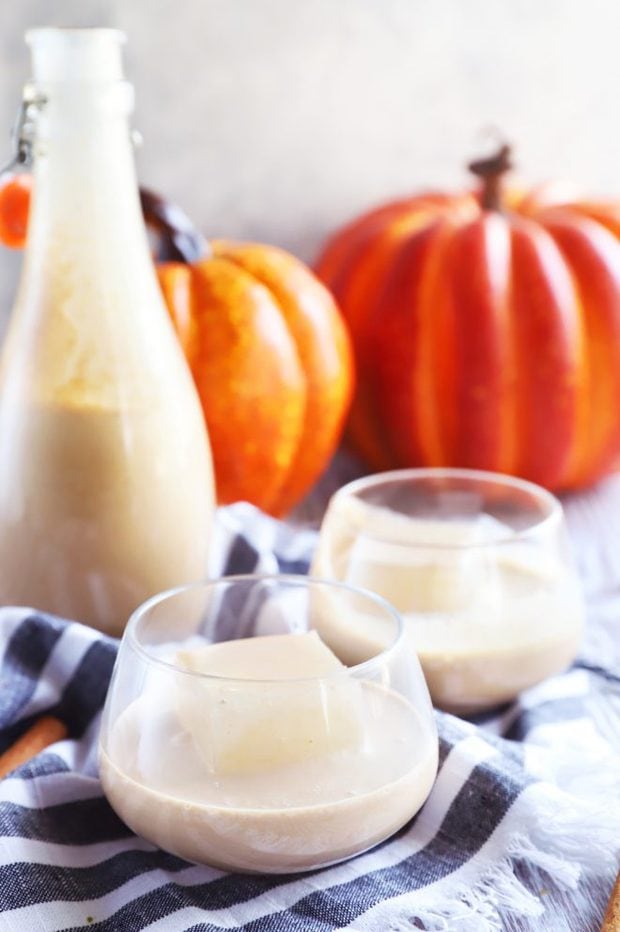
(484, 339)
(272, 363)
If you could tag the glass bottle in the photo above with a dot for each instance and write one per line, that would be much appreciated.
(106, 483)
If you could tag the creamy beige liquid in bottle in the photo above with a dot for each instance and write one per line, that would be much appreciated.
(106, 487)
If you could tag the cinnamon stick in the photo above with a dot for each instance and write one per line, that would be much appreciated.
(611, 922)
(44, 732)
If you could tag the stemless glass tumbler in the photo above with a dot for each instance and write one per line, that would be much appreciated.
(479, 565)
(233, 736)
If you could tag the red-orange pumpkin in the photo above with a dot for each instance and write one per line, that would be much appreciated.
(486, 331)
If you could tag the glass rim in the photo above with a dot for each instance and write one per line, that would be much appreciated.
(541, 495)
(291, 579)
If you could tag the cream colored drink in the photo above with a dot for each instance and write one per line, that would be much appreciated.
(106, 484)
(487, 621)
(270, 776)
(99, 509)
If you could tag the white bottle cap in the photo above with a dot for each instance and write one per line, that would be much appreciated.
(91, 56)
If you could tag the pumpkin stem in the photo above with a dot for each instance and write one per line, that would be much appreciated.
(491, 171)
(177, 239)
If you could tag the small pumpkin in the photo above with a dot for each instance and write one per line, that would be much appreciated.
(486, 331)
(264, 340)
(269, 353)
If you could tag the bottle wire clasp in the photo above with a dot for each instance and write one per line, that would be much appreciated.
(22, 134)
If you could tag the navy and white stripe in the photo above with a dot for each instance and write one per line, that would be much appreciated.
(515, 795)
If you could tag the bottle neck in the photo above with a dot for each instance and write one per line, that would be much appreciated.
(89, 326)
(85, 191)
(89, 299)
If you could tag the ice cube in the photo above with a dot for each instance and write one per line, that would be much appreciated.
(267, 702)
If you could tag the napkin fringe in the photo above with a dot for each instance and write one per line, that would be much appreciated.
(474, 908)
(564, 837)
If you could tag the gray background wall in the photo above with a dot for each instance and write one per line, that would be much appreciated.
(279, 119)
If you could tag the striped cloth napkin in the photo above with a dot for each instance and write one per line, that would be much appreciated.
(523, 816)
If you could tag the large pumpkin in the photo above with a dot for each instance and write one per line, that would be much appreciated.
(269, 353)
(486, 331)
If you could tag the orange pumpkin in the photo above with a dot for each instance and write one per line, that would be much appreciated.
(266, 345)
(269, 353)
(486, 331)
